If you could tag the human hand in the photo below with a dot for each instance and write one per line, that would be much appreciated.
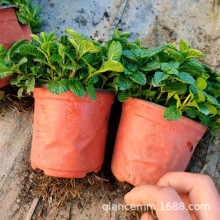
(198, 189)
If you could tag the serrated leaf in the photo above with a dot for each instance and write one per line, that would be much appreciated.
(124, 82)
(129, 54)
(30, 86)
(115, 51)
(186, 78)
(201, 83)
(172, 113)
(151, 65)
(191, 112)
(140, 53)
(172, 46)
(74, 35)
(48, 46)
(59, 87)
(201, 96)
(203, 109)
(12, 49)
(131, 66)
(56, 58)
(178, 87)
(28, 50)
(193, 67)
(35, 37)
(160, 76)
(176, 55)
(127, 72)
(152, 52)
(21, 62)
(76, 87)
(139, 78)
(91, 91)
(87, 46)
(184, 47)
(123, 96)
(212, 109)
(194, 53)
(204, 119)
(111, 65)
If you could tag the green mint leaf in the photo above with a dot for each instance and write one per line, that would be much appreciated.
(151, 65)
(191, 112)
(115, 51)
(56, 58)
(204, 109)
(177, 87)
(184, 47)
(76, 87)
(204, 119)
(129, 54)
(176, 55)
(159, 76)
(186, 78)
(124, 83)
(193, 67)
(59, 87)
(91, 91)
(201, 83)
(172, 113)
(194, 53)
(28, 50)
(30, 85)
(123, 96)
(48, 46)
(111, 65)
(139, 78)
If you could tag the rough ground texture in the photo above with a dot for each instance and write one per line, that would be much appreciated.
(155, 23)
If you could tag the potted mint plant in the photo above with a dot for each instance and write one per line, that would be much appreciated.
(10, 62)
(164, 117)
(67, 76)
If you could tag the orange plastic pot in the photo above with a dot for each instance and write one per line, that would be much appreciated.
(10, 28)
(69, 134)
(148, 146)
(5, 81)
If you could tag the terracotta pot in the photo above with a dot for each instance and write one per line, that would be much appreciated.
(26, 31)
(148, 146)
(5, 81)
(69, 133)
(11, 30)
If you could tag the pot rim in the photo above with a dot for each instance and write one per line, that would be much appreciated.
(45, 85)
(166, 108)
(8, 6)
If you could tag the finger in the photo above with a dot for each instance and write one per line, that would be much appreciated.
(201, 190)
(157, 198)
(147, 216)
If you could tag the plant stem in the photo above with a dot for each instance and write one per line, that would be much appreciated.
(159, 96)
(73, 73)
(187, 98)
(52, 76)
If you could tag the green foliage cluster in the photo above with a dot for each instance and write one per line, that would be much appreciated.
(72, 62)
(27, 14)
(170, 77)
(167, 75)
